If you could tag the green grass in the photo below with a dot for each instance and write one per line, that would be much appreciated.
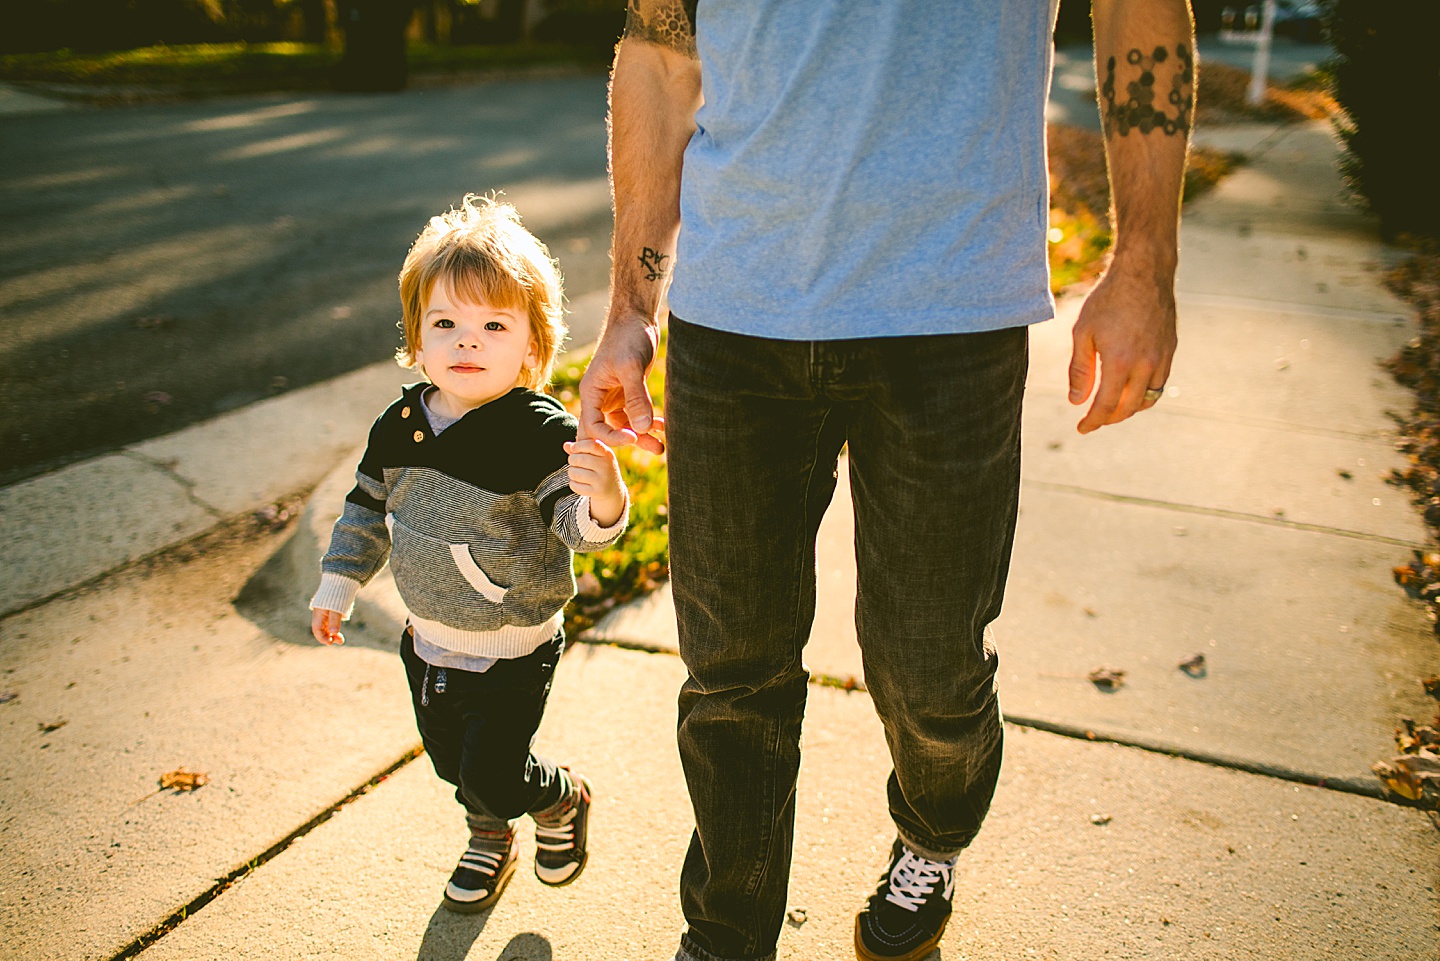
(640, 560)
(267, 66)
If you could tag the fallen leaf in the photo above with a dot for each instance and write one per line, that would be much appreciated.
(1194, 665)
(8, 696)
(1106, 678)
(796, 916)
(1431, 685)
(1415, 777)
(183, 780)
(52, 726)
(1345, 474)
(1100, 820)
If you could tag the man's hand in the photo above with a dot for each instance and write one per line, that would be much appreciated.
(595, 473)
(615, 405)
(325, 625)
(1128, 325)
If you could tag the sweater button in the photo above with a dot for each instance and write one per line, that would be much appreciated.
(404, 412)
(419, 436)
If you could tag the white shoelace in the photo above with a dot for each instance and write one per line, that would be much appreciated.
(914, 877)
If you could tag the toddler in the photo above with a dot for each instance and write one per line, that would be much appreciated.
(475, 489)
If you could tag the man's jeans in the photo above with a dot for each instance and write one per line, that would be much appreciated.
(755, 428)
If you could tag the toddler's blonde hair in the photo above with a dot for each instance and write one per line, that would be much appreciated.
(487, 257)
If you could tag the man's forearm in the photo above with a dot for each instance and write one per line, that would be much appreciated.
(1145, 67)
(654, 92)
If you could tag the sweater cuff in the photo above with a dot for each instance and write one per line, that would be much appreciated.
(593, 532)
(335, 593)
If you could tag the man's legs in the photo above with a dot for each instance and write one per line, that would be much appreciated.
(935, 470)
(752, 461)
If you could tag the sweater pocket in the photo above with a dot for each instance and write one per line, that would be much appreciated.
(441, 581)
(472, 573)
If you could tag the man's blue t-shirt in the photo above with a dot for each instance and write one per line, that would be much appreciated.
(867, 168)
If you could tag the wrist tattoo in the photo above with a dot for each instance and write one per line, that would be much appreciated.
(1136, 110)
(654, 263)
(668, 23)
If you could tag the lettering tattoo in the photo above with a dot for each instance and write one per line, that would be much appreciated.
(668, 23)
(1136, 109)
(654, 263)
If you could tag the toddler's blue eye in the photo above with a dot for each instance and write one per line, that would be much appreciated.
(494, 325)
(445, 323)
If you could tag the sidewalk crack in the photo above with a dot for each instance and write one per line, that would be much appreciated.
(168, 469)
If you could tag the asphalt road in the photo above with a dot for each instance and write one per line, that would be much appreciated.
(163, 263)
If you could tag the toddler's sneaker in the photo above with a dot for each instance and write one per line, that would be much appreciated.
(484, 870)
(907, 913)
(560, 834)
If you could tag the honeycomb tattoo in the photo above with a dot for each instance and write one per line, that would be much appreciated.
(668, 23)
(1136, 110)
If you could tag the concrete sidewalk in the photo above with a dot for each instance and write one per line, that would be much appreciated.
(1245, 518)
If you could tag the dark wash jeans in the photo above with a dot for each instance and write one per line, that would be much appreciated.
(478, 730)
(755, 427)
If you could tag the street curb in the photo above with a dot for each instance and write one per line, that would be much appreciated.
(86, 521)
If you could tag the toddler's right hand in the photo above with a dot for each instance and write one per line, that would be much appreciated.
(325, 625)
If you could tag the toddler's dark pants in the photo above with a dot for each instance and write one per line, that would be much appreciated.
(478, 729)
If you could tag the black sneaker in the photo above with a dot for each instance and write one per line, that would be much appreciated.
(907, 913)
(560, 840)
(484, 870)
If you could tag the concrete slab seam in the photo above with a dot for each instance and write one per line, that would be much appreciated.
(1224, 514)
(221, 884)
(1343, 785)
(1290, 307)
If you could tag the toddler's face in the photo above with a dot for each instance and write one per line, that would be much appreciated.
(472, 352)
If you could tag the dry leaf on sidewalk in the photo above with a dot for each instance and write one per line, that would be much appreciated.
(1412, 776)
(1106, 678)
(183, 780)
(1194, 665)
(178, 780)
(1431, 685)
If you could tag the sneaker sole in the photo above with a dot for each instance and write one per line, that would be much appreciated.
(585, 858)
(915, 954)
(474, 907)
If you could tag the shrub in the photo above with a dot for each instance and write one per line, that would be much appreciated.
(1386, 78)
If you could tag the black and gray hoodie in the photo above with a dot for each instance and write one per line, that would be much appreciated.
(478, 523)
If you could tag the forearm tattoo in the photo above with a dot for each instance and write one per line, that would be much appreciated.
(1136, 110)
(654, 263)
(668, 23)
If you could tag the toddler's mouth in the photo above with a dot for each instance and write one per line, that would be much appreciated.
(466, 368)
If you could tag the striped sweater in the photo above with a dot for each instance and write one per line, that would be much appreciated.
(478, 523)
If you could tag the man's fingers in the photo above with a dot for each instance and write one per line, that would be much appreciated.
(1082, 368)
(638, 407)
(1107, 399)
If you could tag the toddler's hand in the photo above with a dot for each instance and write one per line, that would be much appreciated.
(325, 625)
(595, 473)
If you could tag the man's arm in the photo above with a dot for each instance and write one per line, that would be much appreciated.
(654, 93)
(1145, 71)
